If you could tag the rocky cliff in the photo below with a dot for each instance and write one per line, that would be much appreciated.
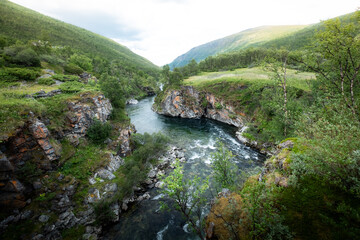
(187, 102)
(32, 187)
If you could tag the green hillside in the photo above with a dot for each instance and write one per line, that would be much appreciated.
(241, 40)
(18, 22)
(301, 38)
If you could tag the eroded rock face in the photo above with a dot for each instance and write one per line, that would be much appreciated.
(189, 103)
(83, 112)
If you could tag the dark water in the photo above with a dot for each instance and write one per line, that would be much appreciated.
(198, 137)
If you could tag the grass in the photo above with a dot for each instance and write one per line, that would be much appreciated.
(15, 108)
(250, 75)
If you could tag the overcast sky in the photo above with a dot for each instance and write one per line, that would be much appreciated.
(161, 30)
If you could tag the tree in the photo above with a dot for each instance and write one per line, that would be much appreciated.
(225, 171)
(187, 197)
(82, 61)
(335, 57)
(278, 69)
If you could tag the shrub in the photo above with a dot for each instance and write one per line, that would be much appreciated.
(51, 59)
(27, 57)
(103, 213)
(98, 132)
(218, 106)
(46, 81)
(82, 61)
(65, 78)
(18, 74)
(73, 69)
(71, 87)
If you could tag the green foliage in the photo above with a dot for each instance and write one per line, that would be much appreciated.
(18, 74)
(20, 23)
(332, 149)
(98, 132)
(28, 58)
(84, 162)
(148, 148)
(73, 69)
(81, 61)
(45, 197)
(71, 87)
(73, 233)
(218, 106)
(46, 81)
(260, 207)
(65, 78)
(187, 197)
(336, 60)
(103, 213)
(247, 39)
(225, 171)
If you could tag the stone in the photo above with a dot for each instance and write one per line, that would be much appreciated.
(124, 206)
(38, 237)
(132, 102)
(159, 184)
(44, 218)
(26, 214)
(37, 185)
(105, 174)
(287, 144)
(92, 181)
(115, 163)
(94, 195)
(152, 173)
(110, 187)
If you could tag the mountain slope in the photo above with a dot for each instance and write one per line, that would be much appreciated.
(21, 23)
(249, 37)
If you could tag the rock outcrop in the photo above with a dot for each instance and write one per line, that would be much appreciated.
(187, 102)
(31, 148)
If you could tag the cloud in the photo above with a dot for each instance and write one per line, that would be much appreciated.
(161, 30)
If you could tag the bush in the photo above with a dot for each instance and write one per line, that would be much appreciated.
(65, 78)
(73, 69)
(71, 87)
(18, 74)
(51, 59)
(27, 57)
(103, 213)
(46, 81)
(81, 61)
(98, 132)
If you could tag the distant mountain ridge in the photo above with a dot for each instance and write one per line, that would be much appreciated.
(243, 39)
(21, 23)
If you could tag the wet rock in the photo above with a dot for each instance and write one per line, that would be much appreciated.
(132, 102)
(37, 185)
(152, 173)
(115, 208)
(44, 218)
(189, 103)
(26, 214)
(159, 184)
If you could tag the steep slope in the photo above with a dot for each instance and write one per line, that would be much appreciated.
(247, 38)
(31, 25)
(303, 37)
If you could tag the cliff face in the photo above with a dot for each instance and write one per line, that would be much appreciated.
(187, 102)
(33, 143)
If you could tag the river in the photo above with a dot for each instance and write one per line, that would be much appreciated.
(198, 137)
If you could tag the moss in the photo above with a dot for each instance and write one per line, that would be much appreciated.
(21, 230)
(73, 233)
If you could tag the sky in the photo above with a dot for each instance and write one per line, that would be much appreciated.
(161, 30)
